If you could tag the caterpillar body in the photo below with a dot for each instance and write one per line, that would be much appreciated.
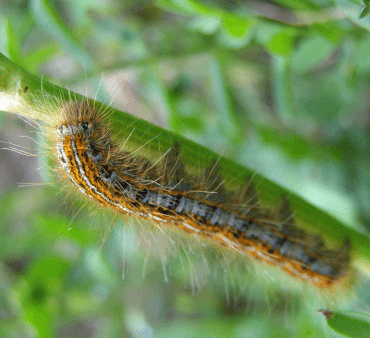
(165, 193)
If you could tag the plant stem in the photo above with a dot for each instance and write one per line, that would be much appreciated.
(20, 89)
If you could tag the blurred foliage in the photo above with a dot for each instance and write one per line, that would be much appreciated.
(281, 87)
(349, 324)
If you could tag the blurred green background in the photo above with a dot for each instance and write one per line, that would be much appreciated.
(279, 86)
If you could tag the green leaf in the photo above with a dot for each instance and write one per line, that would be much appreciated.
(41, 55)
(13, 44)
(281, 43)
(45, 283)
(310, 53)
(348, 323)
(172, 7)
(282, 87)
(329, 31)
(49, 20)
(364, 11)
(235, 26)
(187, 7)
(221, 99)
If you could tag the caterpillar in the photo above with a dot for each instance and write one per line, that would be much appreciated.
(165, 193)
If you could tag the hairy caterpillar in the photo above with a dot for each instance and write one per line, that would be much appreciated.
(164, 192)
